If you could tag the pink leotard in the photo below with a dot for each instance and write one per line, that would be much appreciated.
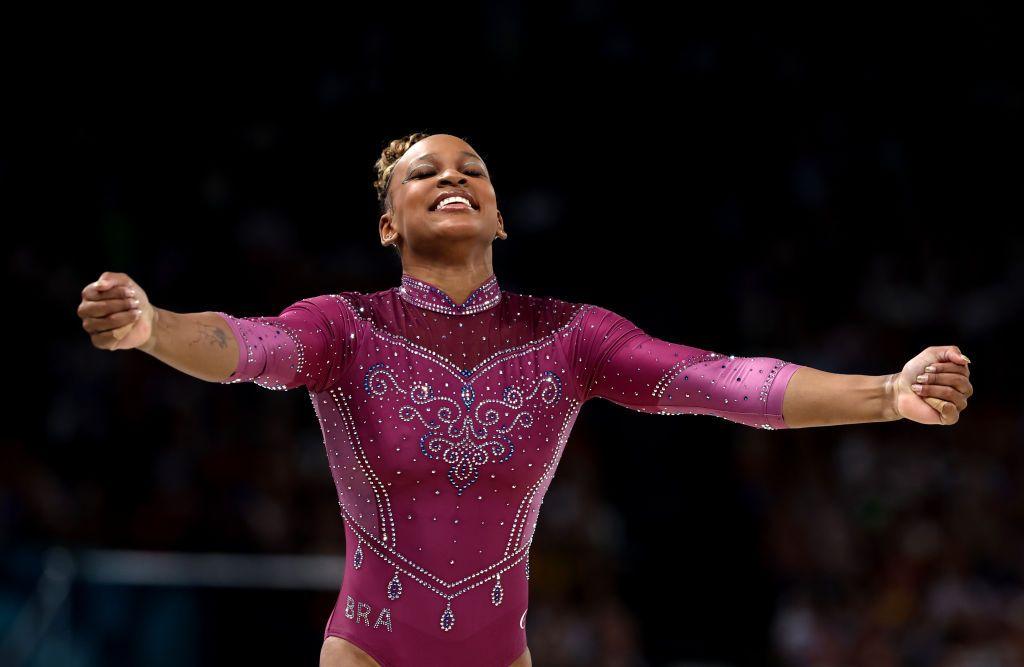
(444, 424)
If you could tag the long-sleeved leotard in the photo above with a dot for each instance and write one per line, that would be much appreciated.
(444, 424)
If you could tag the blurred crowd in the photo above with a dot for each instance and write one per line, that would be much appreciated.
(895, 546)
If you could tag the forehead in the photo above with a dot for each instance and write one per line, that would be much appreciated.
(440, 146)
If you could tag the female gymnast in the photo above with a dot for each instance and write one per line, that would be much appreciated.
(445, 403)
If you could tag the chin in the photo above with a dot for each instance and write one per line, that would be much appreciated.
(457, 221)
(456, 229)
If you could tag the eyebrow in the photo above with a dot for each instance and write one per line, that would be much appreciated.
(467, 153)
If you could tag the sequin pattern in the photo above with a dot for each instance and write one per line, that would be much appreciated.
(625, 365)
(466, 434)
(444, 424)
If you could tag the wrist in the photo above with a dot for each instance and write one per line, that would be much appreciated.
(150, 343)
(890, 390)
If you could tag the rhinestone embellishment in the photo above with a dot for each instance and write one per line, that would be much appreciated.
(357, 556)
(448, 617)
(431, 297)
(394, 587)
(466, 440)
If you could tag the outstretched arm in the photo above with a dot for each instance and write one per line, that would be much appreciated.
(117, 314)
(819, 398)
(932, 388)
(306, 344)
(616, 360)
(292, 349)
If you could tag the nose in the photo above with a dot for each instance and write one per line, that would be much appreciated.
(447, 178)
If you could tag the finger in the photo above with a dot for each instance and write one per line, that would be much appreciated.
(952, 353)
(95, 325)
(103, 341)
(109, 280)
(942, 392)
(106, 307)
(955, 380)
(947, 411)
(108, 291)
(106, 281)
(948, 367)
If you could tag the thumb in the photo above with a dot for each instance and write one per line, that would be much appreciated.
(121, 332)
(953, 353)
(946, 410)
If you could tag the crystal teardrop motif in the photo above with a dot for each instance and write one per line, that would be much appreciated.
(468, 394)
(394, 587)
(448, 617)
(497, 593)
(357, 556)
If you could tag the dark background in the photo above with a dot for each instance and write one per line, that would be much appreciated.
(839, 190)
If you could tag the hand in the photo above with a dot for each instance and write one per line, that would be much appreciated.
(116, 312)
(944, 389)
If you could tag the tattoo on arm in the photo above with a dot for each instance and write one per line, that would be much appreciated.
(212, 335)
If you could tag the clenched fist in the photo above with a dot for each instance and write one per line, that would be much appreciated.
(939, 377)
(116, 312)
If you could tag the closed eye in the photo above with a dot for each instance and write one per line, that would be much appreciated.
(430, 173)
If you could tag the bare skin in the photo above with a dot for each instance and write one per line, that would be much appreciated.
(338, 652)
(448, 248)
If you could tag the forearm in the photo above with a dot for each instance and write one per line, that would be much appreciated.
(818, 398)
(200, 344)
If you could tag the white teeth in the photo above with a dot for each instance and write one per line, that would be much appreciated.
(451, 200)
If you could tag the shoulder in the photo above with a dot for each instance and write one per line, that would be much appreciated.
(595, 318)
(540, 303)
(346, 310)
(546, 313)
(551, 304)
(350, 303)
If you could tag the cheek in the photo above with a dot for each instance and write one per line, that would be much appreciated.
(487, 198)
(417, 196)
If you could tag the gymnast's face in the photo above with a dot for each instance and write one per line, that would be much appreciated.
(431, 167)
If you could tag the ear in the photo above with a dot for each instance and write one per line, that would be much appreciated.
(387, 229)
(501, 226)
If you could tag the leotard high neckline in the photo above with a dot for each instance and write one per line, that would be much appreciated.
(428, 295)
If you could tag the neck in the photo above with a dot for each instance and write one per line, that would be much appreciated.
(457, 281)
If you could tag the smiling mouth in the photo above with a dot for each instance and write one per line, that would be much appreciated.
(453, 207)
(454, 200)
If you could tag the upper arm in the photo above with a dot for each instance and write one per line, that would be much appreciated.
(307, 344)
(618, 361)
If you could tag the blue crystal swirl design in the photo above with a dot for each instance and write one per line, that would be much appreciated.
(465, 432)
